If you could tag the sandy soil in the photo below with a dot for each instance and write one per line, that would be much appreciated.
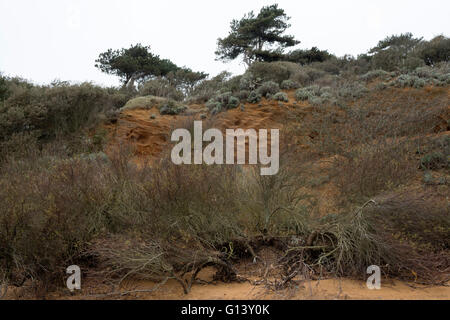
(329, 289)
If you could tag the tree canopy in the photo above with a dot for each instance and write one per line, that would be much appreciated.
(308, 56)
(395, 51)
(257, 37)
(436, 50)
(134, 63)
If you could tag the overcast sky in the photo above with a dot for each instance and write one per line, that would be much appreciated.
(43, 40)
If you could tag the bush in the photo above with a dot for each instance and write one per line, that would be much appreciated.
(434, 161)
(306, 93)
(161, 88)
(281, 96)
(406, 80)
(374, 74)
(223, 101)
(146, 102)
(352, 90)
(243, 94)
(207, 89)
(52, 110)
(268, 88)
(170, 107)
(289, 84)
(269, 71)
(254, 97)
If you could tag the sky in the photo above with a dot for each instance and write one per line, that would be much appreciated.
(44, 40)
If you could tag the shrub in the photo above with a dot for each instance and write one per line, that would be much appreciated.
(254, 97)
(213, 104)
(223, 101)
(374, 74)
(146, 102)
(52, 110)
(352, 90)
(314, 74)
(161, 88)
(170, 107)
(243, 94)
(406, 80)
(316, 101)
(268, 87)
(269, 71)
(281, 96)
(289, 84)
(248, 81)
(207, 89)
(303, 94)
(434, 161)
(381, 86)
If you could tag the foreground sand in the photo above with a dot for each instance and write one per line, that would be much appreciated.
(330, 289)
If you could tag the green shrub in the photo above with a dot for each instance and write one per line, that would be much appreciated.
(374, 74)
(289, 84)
(248, 82)
(146, 102)
(243, 94)
(352, 90)
(434, 161)
(207, 89)
(281, 96)
(53, 110)
(161, 88)
(268, 87)
(269, 71)
(223, 101)
(170, 107)
(406, 80)
(303, 94)
(213, 104)
(316, 101)
(254, 97)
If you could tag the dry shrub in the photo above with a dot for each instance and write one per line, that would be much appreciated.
(129, 258)
(50, 209)
(373, 168)
(404, 234)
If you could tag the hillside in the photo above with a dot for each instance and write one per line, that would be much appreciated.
(363, 180)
